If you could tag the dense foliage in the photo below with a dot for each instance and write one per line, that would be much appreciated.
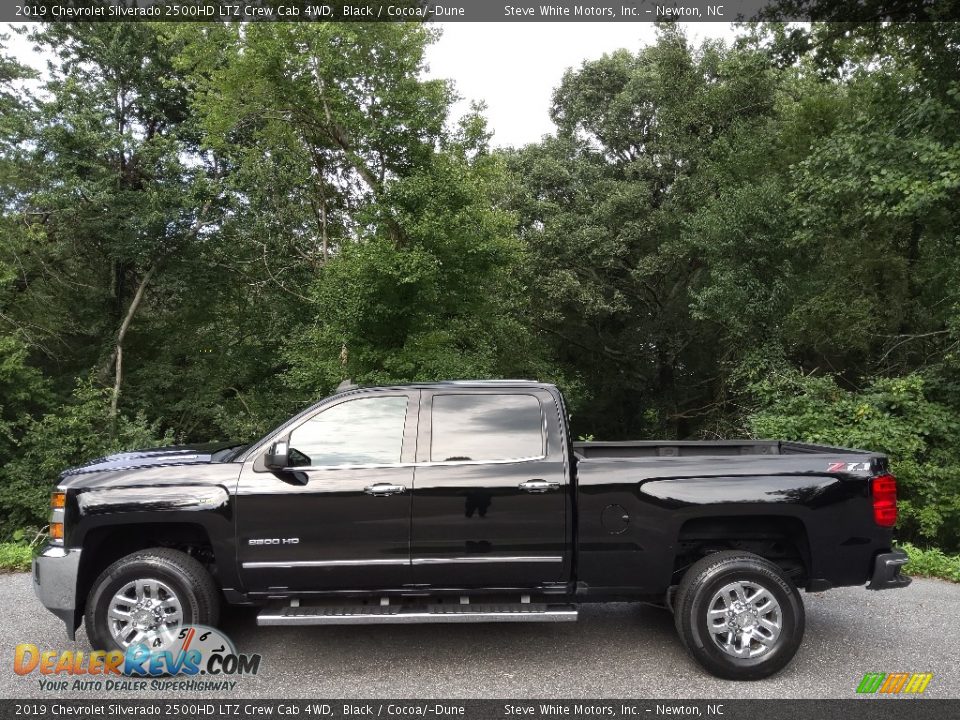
(204, 228)
(898, 416)
(933, 562)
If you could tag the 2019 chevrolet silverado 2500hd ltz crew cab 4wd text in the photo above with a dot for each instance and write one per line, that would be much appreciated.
(468, 502)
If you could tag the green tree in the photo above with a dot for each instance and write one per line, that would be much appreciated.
(118, 195)
(130, 267)
(384, 233)
(609, 210)
(24, 391)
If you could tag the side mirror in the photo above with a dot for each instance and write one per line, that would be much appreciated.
(276, 458)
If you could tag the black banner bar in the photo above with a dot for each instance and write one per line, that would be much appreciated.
(873, 708)
(478, 10)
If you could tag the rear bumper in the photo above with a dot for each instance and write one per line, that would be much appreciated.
(886, 571)
(55, 572)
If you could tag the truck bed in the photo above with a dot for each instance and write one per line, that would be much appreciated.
(635, 498)
(604, 449)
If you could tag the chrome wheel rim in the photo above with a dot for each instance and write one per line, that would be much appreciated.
(744, 619)
(145, 611)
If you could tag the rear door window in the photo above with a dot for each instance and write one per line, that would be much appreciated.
(486, 427)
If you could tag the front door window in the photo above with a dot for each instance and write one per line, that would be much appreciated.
(365, 431)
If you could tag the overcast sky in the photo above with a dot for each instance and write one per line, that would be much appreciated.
(513, 67)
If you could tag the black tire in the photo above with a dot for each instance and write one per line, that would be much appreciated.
(189, 580)
(698, 588)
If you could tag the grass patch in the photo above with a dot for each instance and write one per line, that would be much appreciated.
(15, 556)
(932, 563)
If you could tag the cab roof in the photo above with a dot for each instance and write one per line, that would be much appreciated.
(348, 385)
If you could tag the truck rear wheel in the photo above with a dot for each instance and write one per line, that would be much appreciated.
(146, 597)
(739, 616)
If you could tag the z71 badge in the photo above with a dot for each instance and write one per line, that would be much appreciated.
(849, 467)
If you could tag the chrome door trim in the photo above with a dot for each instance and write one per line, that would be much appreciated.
(489, 559)
(398, 561)
(325, 563)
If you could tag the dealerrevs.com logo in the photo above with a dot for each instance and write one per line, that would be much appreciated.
(195, 651)
(895, 683)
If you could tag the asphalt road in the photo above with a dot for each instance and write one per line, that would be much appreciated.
(614, 651)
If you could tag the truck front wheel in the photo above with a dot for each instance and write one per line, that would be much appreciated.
(146, 597)
(739, 616)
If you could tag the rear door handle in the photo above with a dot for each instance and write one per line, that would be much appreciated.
(384, 489)
(538, 486)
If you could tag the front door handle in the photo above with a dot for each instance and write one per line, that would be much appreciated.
(538, 486)
(384, 489)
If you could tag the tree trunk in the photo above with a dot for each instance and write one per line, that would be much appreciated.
(323, 221)
(117, 360)
(121, 334)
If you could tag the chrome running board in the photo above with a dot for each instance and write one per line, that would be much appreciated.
(399, 614)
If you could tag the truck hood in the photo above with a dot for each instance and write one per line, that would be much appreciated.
(152, 457)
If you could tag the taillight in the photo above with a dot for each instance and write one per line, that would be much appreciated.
(884, 491)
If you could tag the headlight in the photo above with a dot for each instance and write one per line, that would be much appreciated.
(58, 503)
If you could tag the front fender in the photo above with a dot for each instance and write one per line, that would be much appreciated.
(93, 512)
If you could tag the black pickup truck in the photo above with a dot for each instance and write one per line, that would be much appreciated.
(468, 502)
